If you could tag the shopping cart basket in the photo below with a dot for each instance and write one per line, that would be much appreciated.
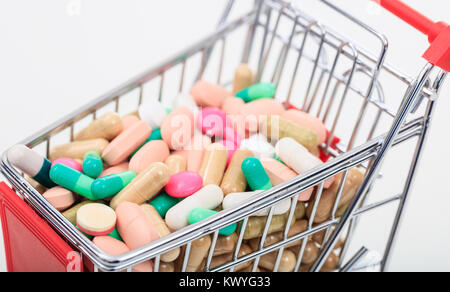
(317, 68)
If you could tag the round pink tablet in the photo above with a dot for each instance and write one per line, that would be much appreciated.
(280, 173)
(184, 184)
(123, 146)
(212, 122)
(96, 219)
(208, 94)
(258, 110)
(134, 225)
(60, 198)
(153, 151)
(307, 121)
(115, 169)
(70, 163)
(178, 128)
(233, 105)
(129, 121)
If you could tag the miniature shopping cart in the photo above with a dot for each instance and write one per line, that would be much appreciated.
(373, 108)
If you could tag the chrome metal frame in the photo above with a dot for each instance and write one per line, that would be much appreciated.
(318, 98)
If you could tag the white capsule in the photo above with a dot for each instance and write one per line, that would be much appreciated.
(236, 199)
(296, 156)
(209, 197)
(153, 113)
(259, 145)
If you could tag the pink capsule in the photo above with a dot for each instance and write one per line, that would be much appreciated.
(184, 184)
(212, 122)
(69, 162)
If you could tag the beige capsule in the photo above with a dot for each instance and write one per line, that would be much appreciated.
(225, 244)
(199, 251)
(256, 225)
(77, 150)
(214, 164)
(176, 164)
(145, 186)
(162, 229)
(287, 263)
(243, 78)
(234, 180)
(221, 260)
(331, 263)
(166, 267)
(311, 253)
(296, 229)
(328, 199)
(106, 127)
(277, 128)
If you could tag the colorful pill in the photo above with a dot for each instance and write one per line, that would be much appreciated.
(212, 122)
(234, 180)
(214, 164)
(129, 120)
(243, 78)
(109, 186)
(231, 148)
(71, 214)
(92, 164)
(153, 113)
(96, 219)
(198, 215)
(256, 175)
(196, 152)
(72, 163)
(60, 198)
(115, 169)
(106, 127)
(236, 199)
(163, 203)
(184, 184)
(156, 135)
(257, 91)
(32, 164)
(176, 164)
(72, 180)
(178, 128)
(115, 234)
(208, 94)
(153, 151)
(308, 121)
(77, 150)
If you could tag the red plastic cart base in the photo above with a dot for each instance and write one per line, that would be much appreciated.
(30, 244)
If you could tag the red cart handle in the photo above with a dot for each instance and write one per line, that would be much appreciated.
(438, 32)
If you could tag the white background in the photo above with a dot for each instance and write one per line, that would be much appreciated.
(59, 54)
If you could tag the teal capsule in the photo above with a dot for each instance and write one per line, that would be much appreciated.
(73, 180)
(156, 135)
(256, 175)
(257, 91)
(163, 203)
(92, 164)
(115, 234)
(111, 185)
(198, 215)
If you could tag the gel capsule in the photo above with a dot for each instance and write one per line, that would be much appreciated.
(106, 127)
(199, 214)
(257, 91)
(77, 150)
(72, 180)
(256, 175)
(236, 199)
(163, 203)
(243, 78)
(110, 186)
(214, 164)
(92, 164)
(234, 180)
(176, 164)
(32, 164)
(96, 219)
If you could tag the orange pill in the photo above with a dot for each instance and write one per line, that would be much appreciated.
(153, 151)
(280, 173)
(127, 142)
(129, 120)
(233, 105)
(258, 110)
(115, 169)
(208, 94)
(196, 152)
(60, 198)
(178, 128)
(214, 164)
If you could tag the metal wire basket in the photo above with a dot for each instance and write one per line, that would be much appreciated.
(324, 72)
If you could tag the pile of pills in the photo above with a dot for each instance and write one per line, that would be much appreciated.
(127, 181)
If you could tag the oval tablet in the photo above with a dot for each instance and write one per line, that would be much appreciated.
(184, 184)
(208, 94)
(232, 105)
(307, 121)
(72, 163)
(153, 151)
(115, 169)
(234, 179)
(196, 151)
(258, 111)
(129, 121)
(96, 219)
(60, 198)
(178, 128)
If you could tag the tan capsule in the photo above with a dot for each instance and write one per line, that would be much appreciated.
(331, 263)
(77, 150)
(176, 164)
(311, 253)
(37, 186)
(107, 127)
(166, 267)
(162, 229)
(250, 270)
(328, 199)
(256, 225)
(277, 128)
(221, 260)
(145, 186)
(214, 164)
(234, 180)
(199, 250)
(225, 244)
(71, 214)
(287, 263)
(300, 211)
(243, 78)
(296, 229)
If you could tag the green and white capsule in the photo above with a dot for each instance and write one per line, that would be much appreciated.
(73, 180)
(92, 164)
(257, 91)
(256, 175)
(32, 164)
(109, 186)
(199, 214)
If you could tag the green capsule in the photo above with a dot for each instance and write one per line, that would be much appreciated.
(163, 203)
(73, 180)
(92, 164)
(156, 135)
(256, 175)
(111, 185)
(257, 91)
(115, 234)
(198, 215)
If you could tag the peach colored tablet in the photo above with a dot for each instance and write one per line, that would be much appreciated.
(127, 142)
(196, 152)
(153, 151)
(96, 219)
(208, 94)
(60, 198)
(115, 169)
(258, 110)
(307, 121)
(178, 128)
(280, 173)
(129, 120)
(233, 105)
(134, 226)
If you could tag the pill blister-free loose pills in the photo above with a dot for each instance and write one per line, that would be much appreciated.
(178, 128)
(153, 151)
(163, 203)
(109, 186)
(72, 180)
(77, 150)
(255, 174)
(200, 214)
(106, 127)
(234, 179)
(60, 198)
(243, 78)
(208, 94)
(92, 164)
(96, 219)
(236, 199)
(214, 164)
(257, 91)
(184, 184)
(153, 113)
(72, 163)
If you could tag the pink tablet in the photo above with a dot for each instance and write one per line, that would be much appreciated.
(153, 151)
